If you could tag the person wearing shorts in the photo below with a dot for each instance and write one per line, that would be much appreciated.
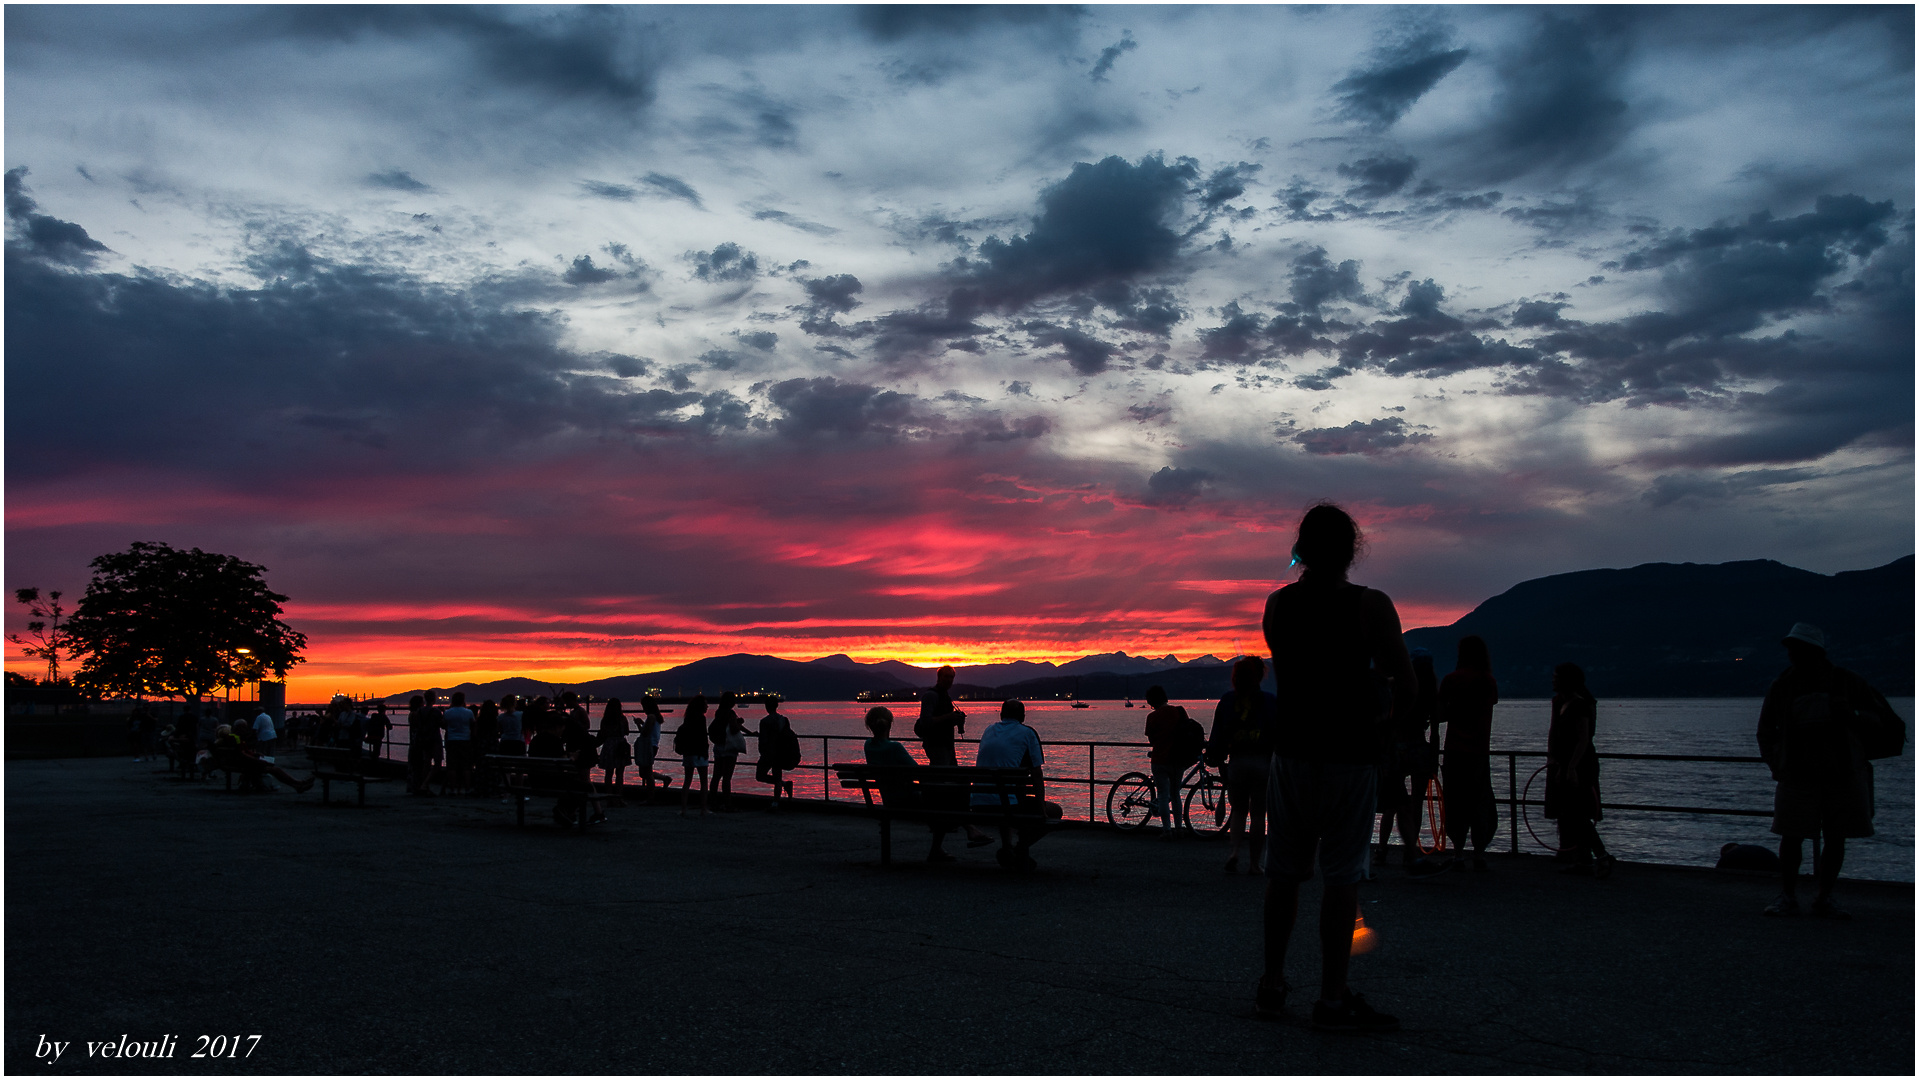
(1335, 645)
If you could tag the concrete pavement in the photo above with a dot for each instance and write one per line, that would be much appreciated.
(432, 936)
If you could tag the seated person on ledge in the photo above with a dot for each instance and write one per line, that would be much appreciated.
(883, 749)
(1010, 744)
(250, 767)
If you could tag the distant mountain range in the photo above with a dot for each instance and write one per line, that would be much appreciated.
(1656, 630)
(841, 678)
(1688, 630)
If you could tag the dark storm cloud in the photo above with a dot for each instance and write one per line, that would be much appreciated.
(672, 187)
(1246, 336)
(1110, 55)
(40, 235)
(930, 329)
(1172, 486)
(1538, 313)
(617, 192)
(725, 263)
(396, 180)
(572, 53)
(1426, 341)
(1104, 222)
(1581, 212)
(1561, 98)
(583, 272)
(1395, 77)
(1693, 488)
(1847, 263)
(1315, 280)
(1087, 354)
(892, 22)
(1378, 177)
(763, 340)
(1150, 310)
(1360, 437)
(318, 368)
(826, 406)
(627, 367)
(793, 222)
(1226, 184)
(833, 293)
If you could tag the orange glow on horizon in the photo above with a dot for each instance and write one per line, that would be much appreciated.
(381, 663)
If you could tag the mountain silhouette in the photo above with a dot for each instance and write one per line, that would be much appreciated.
(1686, 629)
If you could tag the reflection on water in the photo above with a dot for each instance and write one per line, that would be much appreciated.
(1703, 726)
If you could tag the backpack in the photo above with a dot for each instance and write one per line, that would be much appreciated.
(689, 741)
(786, 749)
(1192, 741)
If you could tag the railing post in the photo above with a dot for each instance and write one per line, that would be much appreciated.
(826, 754)
(1092, 787)
(1512, 797)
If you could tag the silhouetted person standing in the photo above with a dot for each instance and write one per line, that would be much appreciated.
(1466, 700)
(728, 733)
(939, 723)
(422, 742)
(1341, 667)
(690, 743)
(1572, 774)
(615, 754)
(646, 746)
(778, 752)
(939, 726)
(1245, 727)
(1809, 734)
(457, 721)
(1172, 754)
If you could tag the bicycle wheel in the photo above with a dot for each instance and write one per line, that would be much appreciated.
(1129, 802)
(1206, 807)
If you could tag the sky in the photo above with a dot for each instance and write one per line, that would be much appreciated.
(578, 342)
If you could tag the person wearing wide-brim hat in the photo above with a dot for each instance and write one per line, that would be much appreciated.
(1809, 734)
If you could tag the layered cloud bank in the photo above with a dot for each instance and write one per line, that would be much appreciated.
(584, 341)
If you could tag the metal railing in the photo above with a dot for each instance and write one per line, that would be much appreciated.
(393, 747)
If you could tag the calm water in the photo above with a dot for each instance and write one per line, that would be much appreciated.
(1703, 726)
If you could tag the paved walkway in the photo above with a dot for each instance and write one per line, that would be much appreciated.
(432, 936)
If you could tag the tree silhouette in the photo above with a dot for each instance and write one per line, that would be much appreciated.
(158, 620)
(46, 639)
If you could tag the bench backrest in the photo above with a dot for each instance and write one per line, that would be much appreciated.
(1015, 785)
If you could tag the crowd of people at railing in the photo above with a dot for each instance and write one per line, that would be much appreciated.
(1352, 735)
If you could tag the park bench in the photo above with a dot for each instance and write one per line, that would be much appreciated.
(342, 764)
(228, 761)
(941, 795)
(526, 777)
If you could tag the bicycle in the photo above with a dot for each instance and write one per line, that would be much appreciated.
(1129, 802)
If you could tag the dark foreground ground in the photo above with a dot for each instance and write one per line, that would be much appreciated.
(432, 936)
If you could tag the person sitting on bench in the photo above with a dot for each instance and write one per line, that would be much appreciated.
(1010, 744)
(249, 765)
(883, 749)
